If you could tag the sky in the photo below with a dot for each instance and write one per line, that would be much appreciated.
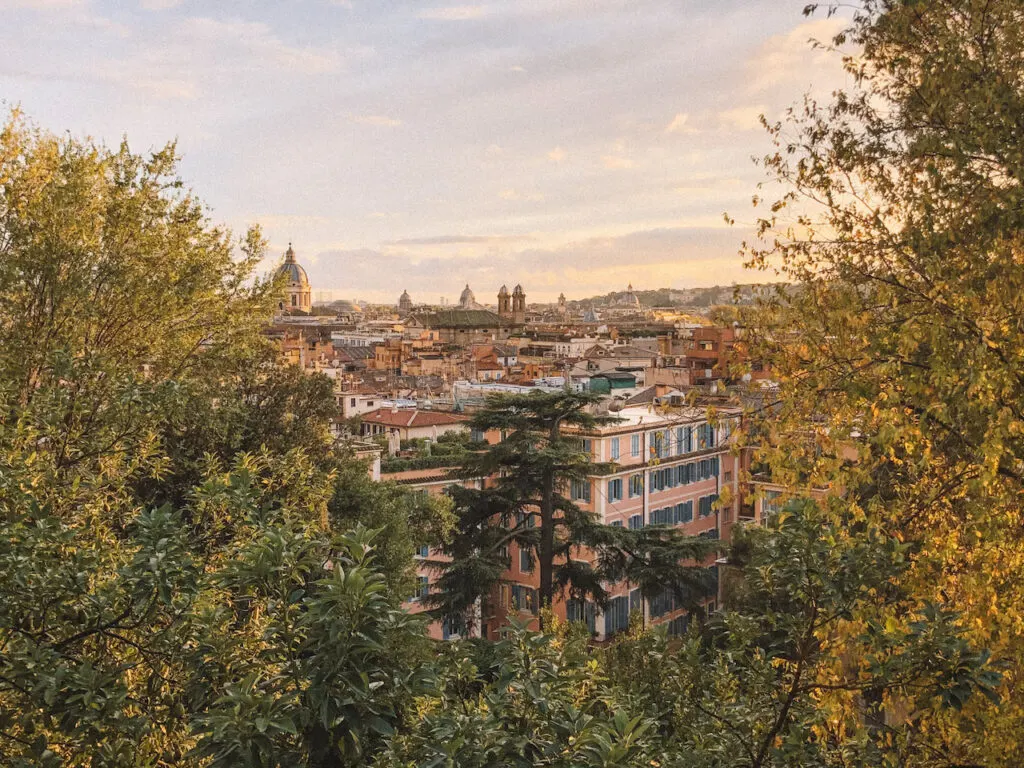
(568, 145)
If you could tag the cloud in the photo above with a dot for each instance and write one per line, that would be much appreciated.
(658, 258)
(615, 162)
(41, 5)
(742, 118)
(680, 124)
(557, 155)
(788, 60)
(256, 44)
(458, 240)
(454, 13)
(160, 5)
(514, 194)
(379, 120)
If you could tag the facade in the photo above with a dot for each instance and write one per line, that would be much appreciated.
(463, 327)
(670, 469)
(297, 292)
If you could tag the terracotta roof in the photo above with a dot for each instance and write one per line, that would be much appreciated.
(412, 417)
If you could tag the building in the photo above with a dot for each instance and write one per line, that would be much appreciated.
(467, 300)
(357, 403)
(512, 307)
(668, 468)
(628, 299)
(462, 327)
(412, 423)
(297, 292)
(405, 303)
(518, 306)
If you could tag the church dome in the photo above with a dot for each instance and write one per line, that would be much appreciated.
(292, 269)
(467, 298)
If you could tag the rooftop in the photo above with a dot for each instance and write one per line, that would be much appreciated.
(411, 417)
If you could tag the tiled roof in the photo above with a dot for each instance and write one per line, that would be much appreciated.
(461, 318)
(411, 417)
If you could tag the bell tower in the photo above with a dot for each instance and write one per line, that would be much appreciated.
(518, 305)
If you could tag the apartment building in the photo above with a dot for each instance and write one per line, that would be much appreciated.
(669, 468)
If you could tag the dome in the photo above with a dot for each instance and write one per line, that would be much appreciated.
(405, 296)
(503, 291)
(517, 291)
(467, 296)
(292, 269)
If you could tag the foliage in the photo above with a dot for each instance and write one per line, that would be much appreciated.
(900, 225)
(532, 699)
(170, 592)
(760, 684)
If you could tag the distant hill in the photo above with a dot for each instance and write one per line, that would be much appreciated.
(686, 297)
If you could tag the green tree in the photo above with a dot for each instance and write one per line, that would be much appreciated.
(529, 503)
(901, 225)
(171, 591)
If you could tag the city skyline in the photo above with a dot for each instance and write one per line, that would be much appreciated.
(569, 146)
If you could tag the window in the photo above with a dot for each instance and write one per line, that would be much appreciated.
(680, 441)
(727, 477)
(664, 516)
(704, 504)
(635, 445)
(635, 601)
(422, 587)
(636, 486)
(452, 628)
(476, 435)
(679, 625)
(771, 505)
(684, 512)
(636, 522)
(423, 551)
(615, 448)
(662, 604)
(352, 402)
(369, 403)
(525, 560)
(524, 598)
(617, 524)
(582, 611)
(579, 490)
(615, 489)
(616, 618)
(664, 445)
(588, 445)
(295, 300)
(689, 439)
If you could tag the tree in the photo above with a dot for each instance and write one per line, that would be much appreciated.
(901, 225)
(171, 589)
(529, 504)
(763, 683)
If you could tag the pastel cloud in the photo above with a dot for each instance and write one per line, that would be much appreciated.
(382, 121)
(453, 13)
